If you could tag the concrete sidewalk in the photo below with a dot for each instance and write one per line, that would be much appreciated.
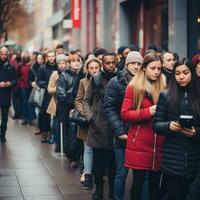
(33, 171)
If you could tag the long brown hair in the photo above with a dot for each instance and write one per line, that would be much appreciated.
(141, 85)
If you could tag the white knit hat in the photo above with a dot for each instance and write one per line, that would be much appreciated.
(134, 56)
(61, 57)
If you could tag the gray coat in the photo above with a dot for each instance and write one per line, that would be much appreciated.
(100, 134)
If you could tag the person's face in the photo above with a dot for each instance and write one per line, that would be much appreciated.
(4, 54)
(33, 57)
(133, 67)
(168, 61)
(62, 65)
(153, 70)
(198, 69)
(183, 75)
(109, 64)
(93, 68)
(75, 64)
(39, 59)
(59, 51)
(51, 57)
(125, 52)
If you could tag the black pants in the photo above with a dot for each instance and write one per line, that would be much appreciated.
(138, 183)
(104, 160)
(44, 121)
(176, 187)
(4, 119)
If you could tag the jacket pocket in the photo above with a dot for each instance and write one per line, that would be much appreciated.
(137, 131)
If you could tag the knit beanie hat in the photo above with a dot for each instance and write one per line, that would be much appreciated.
(61, 57)
(134, 56)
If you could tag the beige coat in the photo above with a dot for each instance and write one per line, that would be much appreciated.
(82, 131)
(52, 90)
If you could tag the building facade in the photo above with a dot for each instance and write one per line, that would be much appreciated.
(85, 24)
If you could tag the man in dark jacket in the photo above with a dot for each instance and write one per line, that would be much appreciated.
(122, 53)
(168, 64)
(7, 81)
(100, 134)
(113, 99)
(43, 76)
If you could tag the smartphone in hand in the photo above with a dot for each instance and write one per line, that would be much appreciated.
(186, 121)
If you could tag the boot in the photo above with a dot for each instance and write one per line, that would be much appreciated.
(48, 137)
(43, 137)
(98, 194)
(87, 185)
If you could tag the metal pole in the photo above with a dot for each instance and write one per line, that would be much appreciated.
(61, 138)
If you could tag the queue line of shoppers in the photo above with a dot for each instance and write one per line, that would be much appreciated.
(132, 124)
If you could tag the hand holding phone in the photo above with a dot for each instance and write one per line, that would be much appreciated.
(186, 121)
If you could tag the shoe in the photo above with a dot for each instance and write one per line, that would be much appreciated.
(37, 133)
(24, 122)
(88, 184)
(3, 138)
(48, 137)
(98, 194)
(31, 123)
(82, 179)
(52, 140)
(16, 117)
(43, 137)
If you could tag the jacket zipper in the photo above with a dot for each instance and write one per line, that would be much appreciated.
(137, 131)
(154, 150)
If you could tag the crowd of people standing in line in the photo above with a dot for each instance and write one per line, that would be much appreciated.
(141, 112)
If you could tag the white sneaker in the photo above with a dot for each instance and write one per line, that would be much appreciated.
(82, 179)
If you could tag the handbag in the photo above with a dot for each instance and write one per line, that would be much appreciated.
(37, 96)
(76, 117)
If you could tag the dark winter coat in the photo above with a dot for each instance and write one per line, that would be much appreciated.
(144, 146)
(113, 99)
(7, 73)
(167, 75)
(121, 64)
(181, 154)
(43, 77)
(100, 133)
(67, 87)
(32, 75)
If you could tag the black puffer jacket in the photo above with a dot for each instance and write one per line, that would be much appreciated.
(7, 73)
(113, 99)
(181, 154)
(67, 87)
(43, 77)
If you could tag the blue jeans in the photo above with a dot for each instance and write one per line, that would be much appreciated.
(121, 174)
(87, 159)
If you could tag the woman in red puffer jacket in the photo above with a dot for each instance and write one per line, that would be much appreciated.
(144, 147)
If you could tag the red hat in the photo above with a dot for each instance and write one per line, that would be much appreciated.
(196, 59)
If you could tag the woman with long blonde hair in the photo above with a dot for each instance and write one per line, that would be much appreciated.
(144, 147)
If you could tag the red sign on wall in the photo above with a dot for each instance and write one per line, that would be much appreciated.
(76, 13)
